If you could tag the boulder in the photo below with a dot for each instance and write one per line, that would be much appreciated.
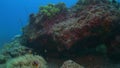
(71, 64)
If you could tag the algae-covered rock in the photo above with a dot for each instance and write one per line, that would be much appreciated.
(97, 23)
(13, 49)
(71, 64)
(27, 61)
(49, 10)
(2, 59)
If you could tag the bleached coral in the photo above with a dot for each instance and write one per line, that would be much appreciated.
(27, 61)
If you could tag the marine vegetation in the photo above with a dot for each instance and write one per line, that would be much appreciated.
(56, 31)
(81, 4)
(79, 30)
(51, 10)
(62, 7)
(13, 49)
(27, 61)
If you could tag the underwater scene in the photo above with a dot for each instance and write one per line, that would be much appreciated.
(60, 34)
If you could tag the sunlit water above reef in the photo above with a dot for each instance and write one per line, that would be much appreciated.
(85, 35)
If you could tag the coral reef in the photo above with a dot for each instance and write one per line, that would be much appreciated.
(97, 23)
(91, 27)
(13, 49)
(27, 61)
(2, 59)
(71, 64)
(40, 22)
(50, 10)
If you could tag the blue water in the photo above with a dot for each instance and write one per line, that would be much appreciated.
(14, 15)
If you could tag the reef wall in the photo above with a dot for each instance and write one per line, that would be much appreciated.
(82, 27)
(88, 28)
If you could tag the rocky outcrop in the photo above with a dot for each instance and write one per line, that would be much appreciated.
(86, 28)
(79, 29)
(71, 64)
